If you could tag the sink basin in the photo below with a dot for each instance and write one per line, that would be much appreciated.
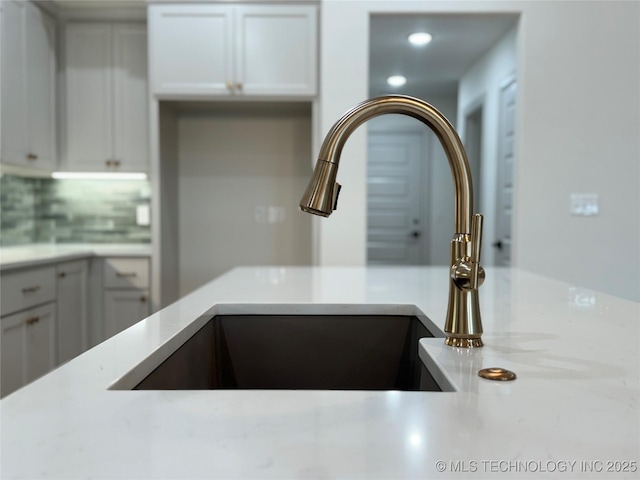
(284, 348)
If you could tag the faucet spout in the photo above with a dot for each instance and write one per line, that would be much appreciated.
(463, 324)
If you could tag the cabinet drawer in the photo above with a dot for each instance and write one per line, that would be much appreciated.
(27, 288)
(126, 273)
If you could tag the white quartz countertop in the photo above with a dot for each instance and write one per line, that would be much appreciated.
(572, 412)
(41, 253)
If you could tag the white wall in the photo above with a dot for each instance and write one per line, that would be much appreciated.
(483, 81)
(579, 127)
(578, 122)
(232, 159)
(344, 59)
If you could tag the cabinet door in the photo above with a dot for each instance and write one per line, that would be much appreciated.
(14, 96)
(191, 49)
(130, 97)
(89, 138)
(71, 309)
(276, 50)
(123, 308)
(41, 70)
(13, 353)
(28, 346)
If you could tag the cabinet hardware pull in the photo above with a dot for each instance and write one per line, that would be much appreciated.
(31, 321)
(32, 156)
(126, 274)
(143, 299)
(108, 162)
(35, 288)
(62, 274)
(229, 86)
(116, 163)
(239, 86)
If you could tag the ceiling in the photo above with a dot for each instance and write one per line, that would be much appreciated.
(458, 41)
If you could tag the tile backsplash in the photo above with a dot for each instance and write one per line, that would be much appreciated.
(17, 210)
(72, 211)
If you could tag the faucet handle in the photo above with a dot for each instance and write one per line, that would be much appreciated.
(476, 237)
(476, 246)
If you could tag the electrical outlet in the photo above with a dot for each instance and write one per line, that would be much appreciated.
(584, 204)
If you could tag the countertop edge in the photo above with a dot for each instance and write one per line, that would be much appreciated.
(13, 258)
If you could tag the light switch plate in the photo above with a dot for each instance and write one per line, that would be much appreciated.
(275, 214)
(584, 204)
(143, 217)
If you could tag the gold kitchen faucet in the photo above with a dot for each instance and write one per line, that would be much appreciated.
(463, 324)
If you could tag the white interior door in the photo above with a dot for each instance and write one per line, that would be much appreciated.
(506, 135)
(394, 226)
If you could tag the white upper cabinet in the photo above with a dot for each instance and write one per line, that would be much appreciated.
(275, 50)
(131, 125)
(28, 87)
(89, 128)
(106, 97)
(213, 50)
(190, 48)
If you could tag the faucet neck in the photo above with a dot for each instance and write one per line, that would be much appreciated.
(430, 116)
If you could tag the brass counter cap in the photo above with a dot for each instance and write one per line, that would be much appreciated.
(464, 342)
(499, 374)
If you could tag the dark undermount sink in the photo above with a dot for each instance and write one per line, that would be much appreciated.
(294, 351)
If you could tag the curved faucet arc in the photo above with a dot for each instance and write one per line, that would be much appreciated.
(333, 143)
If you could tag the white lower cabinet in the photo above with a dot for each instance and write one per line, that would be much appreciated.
(126, 293)
(44, 312)
(28, 346)
(72, 298)
(28, 323)
(123, 308)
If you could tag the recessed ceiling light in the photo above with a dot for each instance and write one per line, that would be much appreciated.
(420, 39)
(396, 80)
